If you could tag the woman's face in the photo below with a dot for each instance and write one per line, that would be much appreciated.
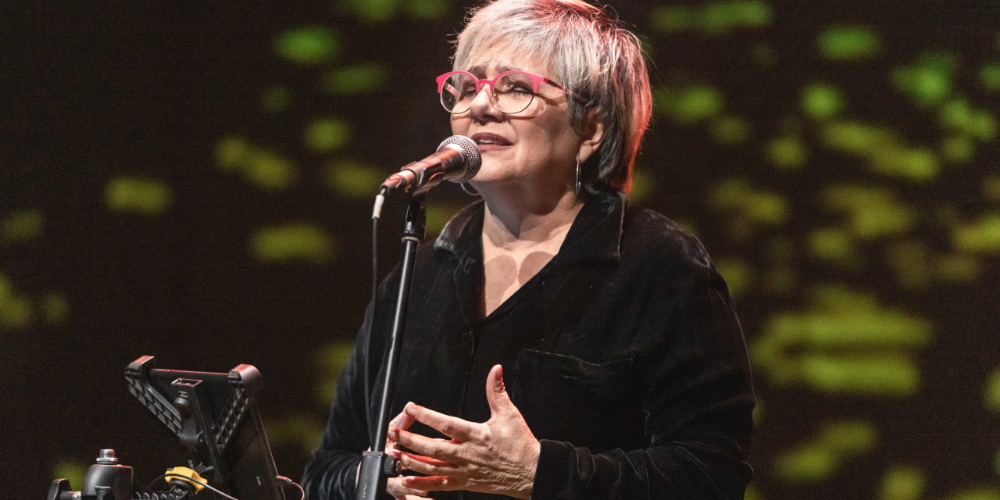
(537, 145)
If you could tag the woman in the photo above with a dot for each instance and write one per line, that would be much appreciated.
(625, 366)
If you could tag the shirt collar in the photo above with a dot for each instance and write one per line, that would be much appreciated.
(595, 235)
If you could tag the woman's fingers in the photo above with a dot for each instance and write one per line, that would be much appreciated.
(435, 448)
(425, 460)
(453, 427)
(395, 486)
(401, 421)
(432, 483)
(426, 465)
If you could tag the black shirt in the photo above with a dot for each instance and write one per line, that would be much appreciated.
(624, 355)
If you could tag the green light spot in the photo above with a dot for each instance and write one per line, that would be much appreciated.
(983, 126)
(737, 274)
(755, 206)
(873, 212)
(856, 137)
(831, 244)
(958, 149)
(356, 79)
(673, 18)
(993, 391)
(807, 464)
(354, 180)
(989, 77)
(331, 360)
(327, 134)
(301, 432)
(833, 298)
(137, 196)
(689, 105)
(885, 375)
(259, 166)
(788, 152)
(976, 494)
(717, 18)
(856, 329)
(958, 268)
(723, 17)
(22, 226)
(873, 221)
(55, 309)
(308, 45)
(929, 81)
(297, 242)
(642, 185)
(232, 152)
(438, 216)
(982, 237)
(373, 11)
(821, 101)
(276, 100)
(426, 9)
(956, 114)
(848, 437)
(753, 13)
(850, 197)
(268, 170)
(902, 483)
(74, 471)
(730, 130)
(919, 165)
(844, 43)
(15, 311)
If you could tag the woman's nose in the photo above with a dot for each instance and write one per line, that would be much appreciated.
(484, 105)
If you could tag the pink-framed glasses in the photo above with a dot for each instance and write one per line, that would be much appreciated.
(512, 91)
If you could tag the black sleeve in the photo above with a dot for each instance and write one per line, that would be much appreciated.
(698, 409)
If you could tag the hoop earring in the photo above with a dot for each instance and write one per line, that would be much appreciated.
(469, 191)
(578, 184)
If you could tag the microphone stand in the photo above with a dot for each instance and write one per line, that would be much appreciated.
(376, 466)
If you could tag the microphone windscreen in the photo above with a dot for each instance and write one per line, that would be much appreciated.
(473, 158)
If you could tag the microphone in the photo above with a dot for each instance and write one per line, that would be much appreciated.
(457, 159)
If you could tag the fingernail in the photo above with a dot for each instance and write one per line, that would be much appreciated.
(394, 434)
(411, 409)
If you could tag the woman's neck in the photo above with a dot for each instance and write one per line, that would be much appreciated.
(515, 219)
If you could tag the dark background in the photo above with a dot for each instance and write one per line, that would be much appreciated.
(153, 91)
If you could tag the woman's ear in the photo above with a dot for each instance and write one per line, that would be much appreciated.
(591, 134)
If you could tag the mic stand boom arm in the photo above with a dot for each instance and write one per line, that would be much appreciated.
(376, 466)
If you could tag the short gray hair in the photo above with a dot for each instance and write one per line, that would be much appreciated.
(593, 56)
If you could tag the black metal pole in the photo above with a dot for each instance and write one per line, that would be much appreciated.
(376, 466)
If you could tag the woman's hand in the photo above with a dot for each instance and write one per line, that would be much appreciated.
(394, 486)
(499, 456)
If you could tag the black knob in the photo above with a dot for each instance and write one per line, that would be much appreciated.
(391, 467)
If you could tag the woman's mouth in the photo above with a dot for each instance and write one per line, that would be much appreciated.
(490, 142)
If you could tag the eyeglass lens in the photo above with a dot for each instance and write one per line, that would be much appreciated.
(512, 93)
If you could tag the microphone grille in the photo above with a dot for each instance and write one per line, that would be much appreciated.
(473, 158)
